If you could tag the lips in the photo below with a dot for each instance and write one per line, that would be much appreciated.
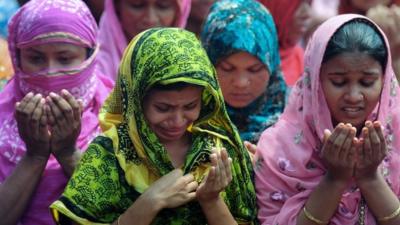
(174, 132)
(353, 112)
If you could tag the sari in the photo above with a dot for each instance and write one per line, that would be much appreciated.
(245, 25)
(112, 38)
(288, 164)
(41, 22)
(122, 163)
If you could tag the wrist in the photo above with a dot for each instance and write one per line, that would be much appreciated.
(37, 160)
(152, 203)
(338, 184)
(369, 181)
(65, 152)
(209, 202)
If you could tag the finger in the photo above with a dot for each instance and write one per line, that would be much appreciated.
(347, 143)
(35, 120)
(64, 107)
(59, 119)
(190, 196)
(227, 166)
(186, 179)
(221, 178)
(339, 141)
(375, 142)
(367, 145)
(210, 178)
(379, 130)
(25, 100)
(50, 118)
(75, 105)
(192, 186)
(252, 148)
(43, 130)
(31, 105)
(352, 152)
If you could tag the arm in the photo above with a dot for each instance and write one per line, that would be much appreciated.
(16, 191)
(323, 201)
(170, 191)
(64, 113)
(338, 154)
(208, 193)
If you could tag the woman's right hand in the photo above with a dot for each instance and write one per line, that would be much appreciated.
(339, 152)
(172, 190)
(32, 126)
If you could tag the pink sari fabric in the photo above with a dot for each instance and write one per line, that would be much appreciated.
(113, 41)
(288, 163)
(59, 21)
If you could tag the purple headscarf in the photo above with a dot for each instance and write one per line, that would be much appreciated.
(41, 22)
(112, 38)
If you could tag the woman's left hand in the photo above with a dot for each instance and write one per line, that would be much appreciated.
(64, 113)
(371, 152)
(218, 178)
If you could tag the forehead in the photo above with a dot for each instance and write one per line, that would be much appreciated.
(241, 58)
(55, 48)
(186, 94)
(355, 61)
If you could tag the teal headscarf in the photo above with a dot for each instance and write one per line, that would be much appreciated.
(246, 25)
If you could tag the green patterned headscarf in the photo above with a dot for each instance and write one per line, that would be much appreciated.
(123, 163)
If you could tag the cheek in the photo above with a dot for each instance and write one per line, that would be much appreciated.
(259, 81)
(167, 17)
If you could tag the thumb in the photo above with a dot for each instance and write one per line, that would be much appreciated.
(327, 134)
(252, 148)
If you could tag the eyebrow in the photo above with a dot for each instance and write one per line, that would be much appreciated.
(164, 103)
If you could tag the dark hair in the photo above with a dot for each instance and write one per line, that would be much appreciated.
(358, 35)
(178, 86)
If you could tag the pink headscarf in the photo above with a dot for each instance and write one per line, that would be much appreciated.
(112, 38)
(39, 22)
(288, 165)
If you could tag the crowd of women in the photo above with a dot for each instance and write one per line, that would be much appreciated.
(265, 112)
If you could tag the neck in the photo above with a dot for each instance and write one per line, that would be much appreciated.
(177, 149)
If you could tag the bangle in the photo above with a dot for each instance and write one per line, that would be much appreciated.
(394, 214)
(312, 218)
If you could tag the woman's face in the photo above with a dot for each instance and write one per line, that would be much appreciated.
(352, 84)
(364, 5)
(243, 78)
(170, 113)
(51, 57)
(138, 15)
(299, 23)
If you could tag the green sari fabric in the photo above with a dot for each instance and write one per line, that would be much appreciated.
(123, 162)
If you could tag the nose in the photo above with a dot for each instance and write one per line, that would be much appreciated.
(354, 95)
(150, 17)
(52, 65)
(178, 119)
(240, 81)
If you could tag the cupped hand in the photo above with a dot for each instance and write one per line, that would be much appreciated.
(218, 178)
(172, 190)
(64, 113)
(339, 151)
(372, 153)
(32, 121)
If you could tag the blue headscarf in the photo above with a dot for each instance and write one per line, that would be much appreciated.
(246, 25)
(7, 9)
